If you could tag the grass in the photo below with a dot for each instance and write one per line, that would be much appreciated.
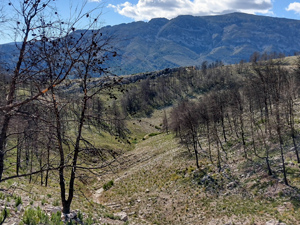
(157, 181)
(172, 196)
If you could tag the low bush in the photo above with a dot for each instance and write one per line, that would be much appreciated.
(108, 185)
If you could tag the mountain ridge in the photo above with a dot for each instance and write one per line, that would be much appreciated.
(189, 40)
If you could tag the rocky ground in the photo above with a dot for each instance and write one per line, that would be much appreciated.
(158, 183)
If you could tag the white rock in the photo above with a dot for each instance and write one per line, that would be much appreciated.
(72, 215)
(20, 208)
(55, 209)
(123, 216)
(274, 222)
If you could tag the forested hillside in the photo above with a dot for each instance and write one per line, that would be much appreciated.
(204, 144)
(215, 143)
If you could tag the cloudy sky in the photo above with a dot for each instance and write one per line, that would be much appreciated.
(134, 10)
(125, 11)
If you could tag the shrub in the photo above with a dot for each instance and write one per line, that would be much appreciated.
(56, 218)
(55, 202)
(153, 134)
(34, 217)
(43, 201)
(80, 216)
(111, 216)
(89, 220)
(2, 214)
(108, 185)
(2, 196)
(18, 201)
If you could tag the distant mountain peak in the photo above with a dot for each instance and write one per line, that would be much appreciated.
(189, 40)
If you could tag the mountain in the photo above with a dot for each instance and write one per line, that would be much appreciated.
(189, 40)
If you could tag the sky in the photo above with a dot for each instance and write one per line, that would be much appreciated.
(125, 11)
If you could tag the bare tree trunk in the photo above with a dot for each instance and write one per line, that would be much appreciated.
(229, 123)
(223, 125)
(209, 142)
(195, 150)
(219, 157)
(61, 152)
(281, 148)
(292, 127)
(3, 137)
(19, 150)
(11, 96)
(253, 142)
(48, 163)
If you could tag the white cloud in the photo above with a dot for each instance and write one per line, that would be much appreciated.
(148, 9)
(294, 7)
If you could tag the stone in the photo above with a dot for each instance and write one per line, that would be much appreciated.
(274, 222)
(20, 208)
(55, 209)
(72, 215)
(147, 191)
(123, 216)
(231, 185)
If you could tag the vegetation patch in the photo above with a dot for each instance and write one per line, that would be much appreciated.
(108, 185)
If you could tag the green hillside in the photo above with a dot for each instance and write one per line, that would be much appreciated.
(209, 145)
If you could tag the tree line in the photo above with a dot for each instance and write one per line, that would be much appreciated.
(256, 110)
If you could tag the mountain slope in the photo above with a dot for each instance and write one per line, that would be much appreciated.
(189, 40)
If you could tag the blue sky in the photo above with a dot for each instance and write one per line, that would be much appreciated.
(125, 11)
(133, 10)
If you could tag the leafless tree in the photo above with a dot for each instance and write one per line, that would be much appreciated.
(187, 123)
(50, 54)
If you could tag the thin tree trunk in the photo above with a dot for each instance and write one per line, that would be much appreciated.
(61, 152)
(209, 143)
(19, 149)
(3, 137)
(280, 141)
(48, 164)
(66, 208)
(195, 150)
(292, 126)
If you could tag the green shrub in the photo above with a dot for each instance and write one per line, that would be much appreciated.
(3, 213)
(108, 185)
(43, 201)
(18, 201)
(56, 219)
(35, 216)
(56, 202)
(80, 216)
(89, 220)
(153, 134)
(110, 216)
(2, 196)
